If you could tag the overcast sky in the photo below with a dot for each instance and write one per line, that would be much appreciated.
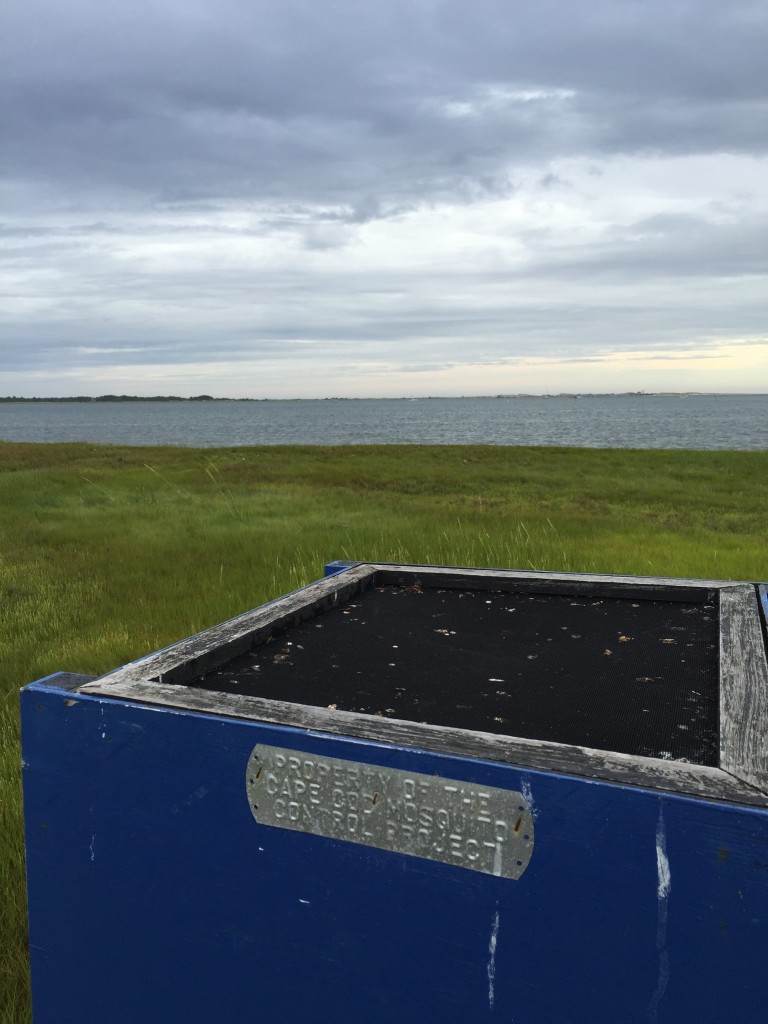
(278, 198)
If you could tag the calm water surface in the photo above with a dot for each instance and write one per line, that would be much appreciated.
(708, 421)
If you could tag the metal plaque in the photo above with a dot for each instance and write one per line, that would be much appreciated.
(481, 828)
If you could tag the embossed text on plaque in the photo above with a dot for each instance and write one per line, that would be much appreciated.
(482, 828)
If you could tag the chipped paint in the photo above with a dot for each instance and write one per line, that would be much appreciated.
(662, 861)
(492, 942)
(525, 789)
(663, 890)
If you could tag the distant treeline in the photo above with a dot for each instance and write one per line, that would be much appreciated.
(339, 398)
(114, 398)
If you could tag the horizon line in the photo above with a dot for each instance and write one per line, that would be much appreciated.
(110, 397)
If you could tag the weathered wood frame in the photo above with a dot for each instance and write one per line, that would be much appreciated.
(742, 775)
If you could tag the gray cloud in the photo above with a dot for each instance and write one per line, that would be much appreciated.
(359, 104)
(264, 180)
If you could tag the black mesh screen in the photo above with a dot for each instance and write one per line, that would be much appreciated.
(634, 676)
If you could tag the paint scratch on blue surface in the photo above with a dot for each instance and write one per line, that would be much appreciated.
(663, 890)
(492, 960)
(525, 788)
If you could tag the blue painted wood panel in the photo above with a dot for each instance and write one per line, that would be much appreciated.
(155, 897)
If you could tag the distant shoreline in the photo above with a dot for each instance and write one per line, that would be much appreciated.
(621, 421)
(17, 400)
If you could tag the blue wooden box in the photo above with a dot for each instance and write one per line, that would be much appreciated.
(197, 855)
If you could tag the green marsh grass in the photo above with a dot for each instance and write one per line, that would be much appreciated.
(108, 553)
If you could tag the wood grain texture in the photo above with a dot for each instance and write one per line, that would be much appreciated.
(651, 590)
(743, 688)
(441, 574)
(650, 773)
(197, 654)
(743, 773)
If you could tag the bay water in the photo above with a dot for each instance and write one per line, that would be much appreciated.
(600, 421)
